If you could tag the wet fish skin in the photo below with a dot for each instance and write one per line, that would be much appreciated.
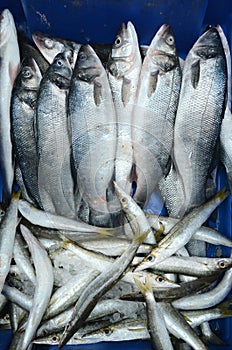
(123, 68)
(93, 139)
(156, 325)
(23, 114)
(7, 237)
(51, 46)
(198, 119)
(43, 287)
(154, 112)
(9, 66)
(107, 279)
(53, 139)
(182, 232)
(177, 326)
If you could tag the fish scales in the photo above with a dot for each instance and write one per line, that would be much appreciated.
(93, 124)
(53, 140)
(154, 112)
(199, 115)
(23, 113)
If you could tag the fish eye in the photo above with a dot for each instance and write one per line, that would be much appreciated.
(107, 331)
(82, 56)
(26, 73)
(49, 43)
(61, 266)
(221, 264)
(118, 41)
(2, 213)
(59, 63)
(160, 279)
(170, 40)
(124, 200)
(150, 258)
(55, 338)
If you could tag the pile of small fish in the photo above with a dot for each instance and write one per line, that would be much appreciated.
(88, 133)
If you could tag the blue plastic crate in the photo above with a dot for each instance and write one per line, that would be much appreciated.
(98, 21)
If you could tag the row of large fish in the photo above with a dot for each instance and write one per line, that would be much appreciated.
(88, 133)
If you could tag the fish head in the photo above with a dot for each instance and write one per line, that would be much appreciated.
(103, 332)
(224, 264)
(30, 75)
(162, 50)
(124, 198)
(88, 65)
(148, 262)
(124, 51)
(60, 71)
(209, 45)
(48, 46)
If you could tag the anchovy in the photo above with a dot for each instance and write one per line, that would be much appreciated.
(9, 66)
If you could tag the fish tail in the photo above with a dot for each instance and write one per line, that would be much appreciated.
(143, 287)
(225, 307)
(16, 194)
(222, 194)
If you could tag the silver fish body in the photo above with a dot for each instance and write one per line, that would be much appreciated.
(53, 141)
(154, 112)
(93, 124)
(123, 68)
(9, 66)
(199, 115)
(23, 113)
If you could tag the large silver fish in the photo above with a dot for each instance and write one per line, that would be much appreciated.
(9, 66)
(154, 112)
(53, 142)
(93, 124)
(199, 115)
(23, 113)
(123, 72)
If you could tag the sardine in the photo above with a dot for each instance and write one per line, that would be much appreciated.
(93, 124)
(23, 113)
(154, 112)
(53, 142)
(9, 66)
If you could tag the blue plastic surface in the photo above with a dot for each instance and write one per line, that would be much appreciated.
(98, 21)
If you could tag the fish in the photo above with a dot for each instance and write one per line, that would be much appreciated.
(53, 139)
(154, 112)
(9, 66)
(107, 279)
(93, 138)
(40, 217)
(7, 237)
(177, 326)
(23, 114)
(156, 324)
(199, 116)
(43, 287)
(50, 46)
(182, 232)
(123, 68)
